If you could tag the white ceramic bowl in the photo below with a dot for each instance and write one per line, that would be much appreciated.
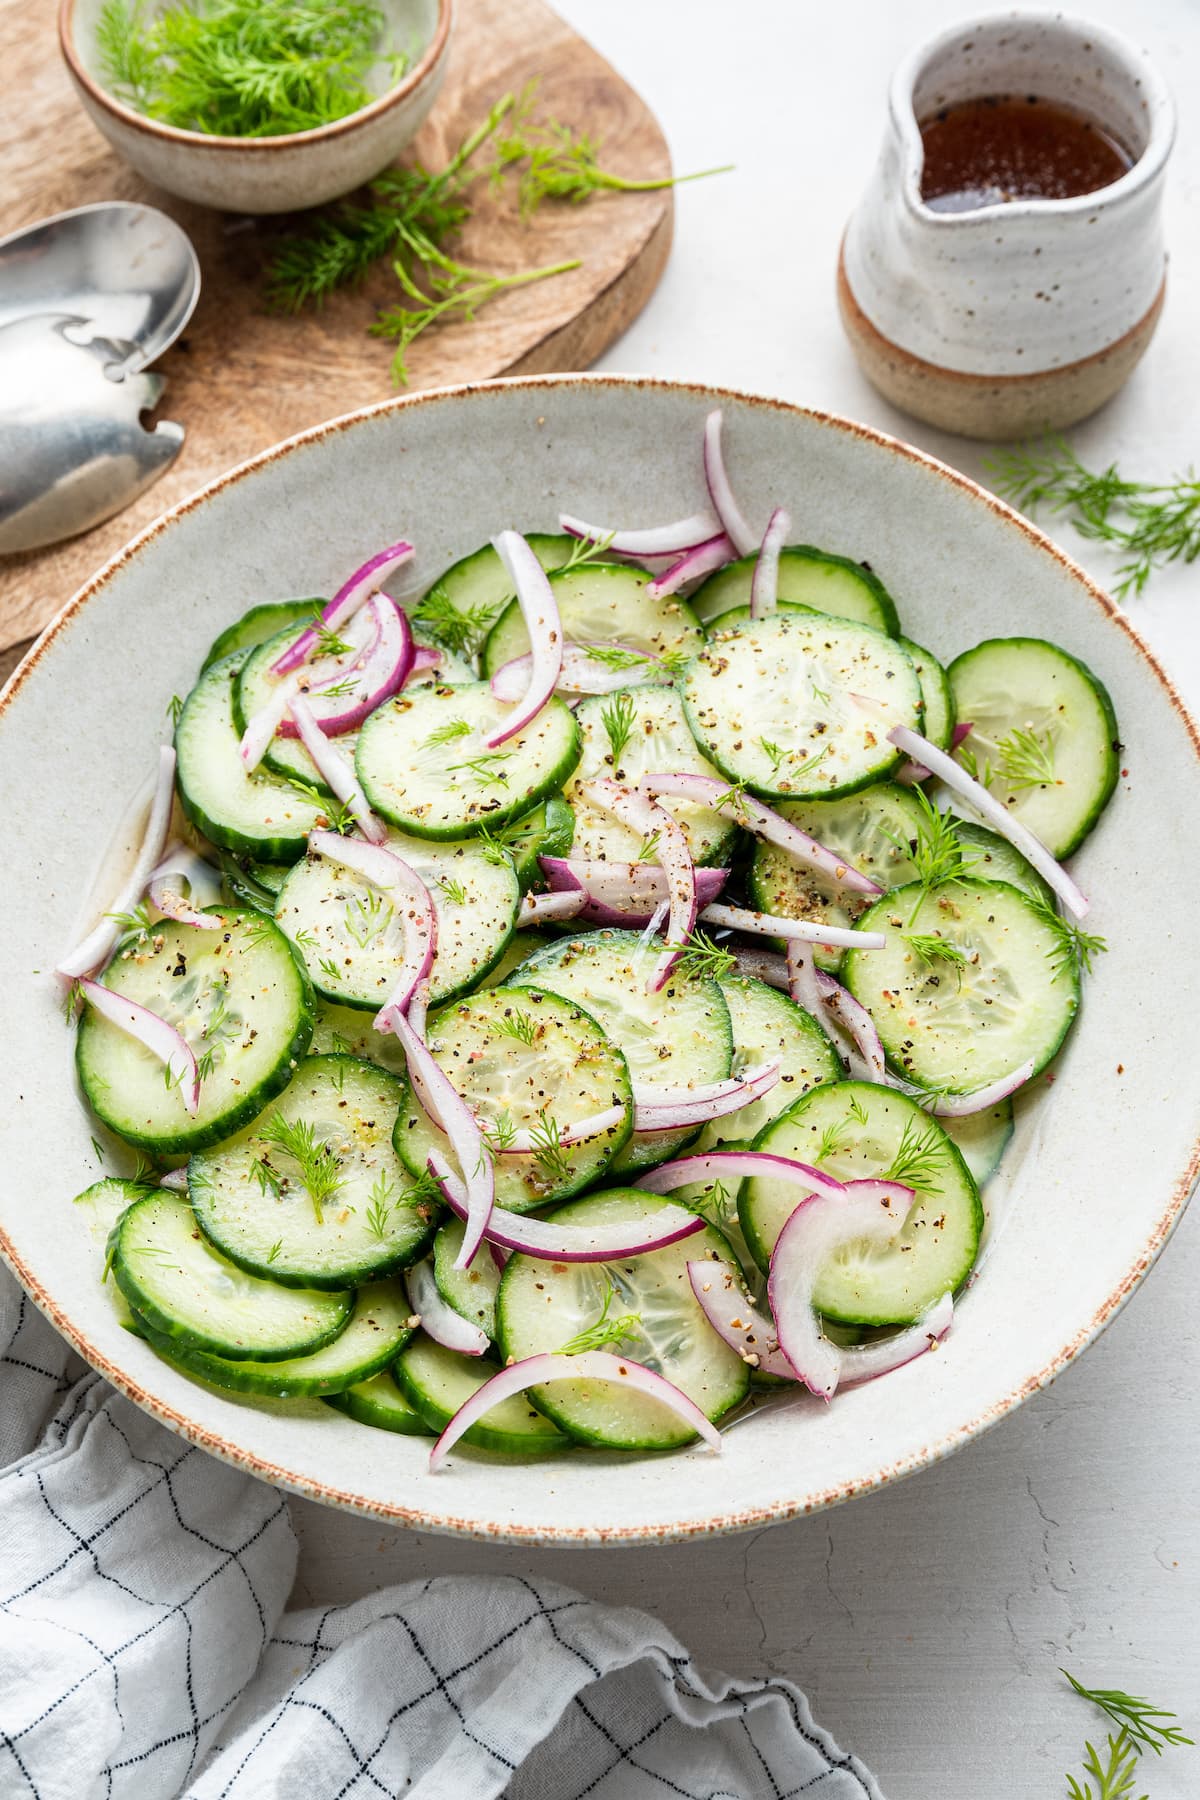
(1103, 1161)
(270, 174)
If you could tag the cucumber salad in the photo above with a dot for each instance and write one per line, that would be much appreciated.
(586, 998)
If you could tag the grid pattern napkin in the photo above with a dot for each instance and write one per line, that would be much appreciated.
(146, 1654)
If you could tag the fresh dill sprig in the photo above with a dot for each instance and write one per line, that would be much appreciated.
(98, 1149)
(243, 68)
(491, 848)
(590, 550)
(648, 848)
(132, 924)
(501, 1132)
(380, 1204)
(604, 1330)
(552, 1159)
(329, 643)
(264, 1175)
(366, 916)
(833, 1139)
(446, 734)
(1137, 1718)
(702, 960)
(1114, 1776)
(611, 656)
(931, 948)
(454, 891)
(174, 710)
(460, 629)
(773, 752)
(273, 1252)
(329, 968)
(516, 1024)
(1148, 524)
(1074, 947)
(937, 853)
(337, 817)
(858, 1110)
(483, 768)
(453, 291)
(316, 1160)
(920, 1157)
(617, 718)
(1027, 760)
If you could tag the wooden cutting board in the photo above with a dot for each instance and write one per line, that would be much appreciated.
(240, 378)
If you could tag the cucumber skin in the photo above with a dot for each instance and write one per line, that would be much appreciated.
(204, 1137)
(556, 840)
(234, 1377)
(257, 625)
(366, 1411)
(1112, 760)
(811, 553)
(480, 1436)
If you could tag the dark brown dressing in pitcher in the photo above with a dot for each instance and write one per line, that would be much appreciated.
(1005, 147)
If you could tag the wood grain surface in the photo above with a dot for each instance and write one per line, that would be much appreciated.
(240, 378)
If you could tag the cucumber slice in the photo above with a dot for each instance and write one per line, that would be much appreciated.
(102, 1206)
(471, 1292)
(259, 624)
(799, 707)
(807, 577)
(766, 1024)
(992, 858)
(1044, 736)
(982, 1138)
(436, 1382)
(649, 725)
(544, 1306)
(519, 948)
(250, 883)
(254, 1199)
(349, 1031)
(461, 607)
(377, 1331)
(243, 1002)
(604, 603)
(377, 1402)
(1009, 995)
(260, 814)
(854, 1131)
(183, 1288)
(349, 936)
(424, 763)
(546, 831)
(254, 687)
(453, 670)
(935, 693)
(677, 1038)
(525, 1061)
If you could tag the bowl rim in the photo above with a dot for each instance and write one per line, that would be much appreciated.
(745, 1518)
(175, 134)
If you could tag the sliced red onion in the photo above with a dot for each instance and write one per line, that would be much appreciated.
(863, 1362)
(263, 725)
(676, 1109)
(542, 909)
(412, 901)
(345, 603)
(766, 966)
(998, 816)
(378, 671)
(639, 812)
(176, 1181)
(909, 773)
(764, 588)
(722, 1297)
(539, 609)
(524, 1143)
(97, 946)
(154, 1034)
(802, 977)
(335, 771)
(961, 1106)
(703, 560)
(556, 1240)
(622, 894)
(720, 492)
(446, 1107)
(425, 658)
(588, 1365)
(439, 1320)
(759, 924)
(867, 1060)
(181, 878)
(652, 540)
(740, 1165)
(583, 674)
(417, 1010)
(765, 823)
(813, 1232)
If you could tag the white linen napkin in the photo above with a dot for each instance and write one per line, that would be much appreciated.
(146, 1654)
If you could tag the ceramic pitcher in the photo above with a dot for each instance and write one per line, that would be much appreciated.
(1023, 316)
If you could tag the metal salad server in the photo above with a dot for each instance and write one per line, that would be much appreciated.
(87, 300)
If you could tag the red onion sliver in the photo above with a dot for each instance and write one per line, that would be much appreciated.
(764, 588)
(961, 1106)
(863, 1362)
(154, 1034)
(638, 811)
(411, 899)
(802, 978)
(766, 966)
(616, 893)
(652, 540)
(740, 1165)
(425, 658)
(867, 1060)
(758, 924)
(380, 668)
(539, 609)
(720, 492)
(334, 769)
(722, 1297)
(556, 1240)
(447, 1108)
(764, 822)
(538, 909)
(98, 944)
(345, 603)
(703, 560)
(524, 1143)
(909, 773)
(417, 1009)
(176, 1181)
(182, 869)
(588, 1365)
(583, 674)
(438, 1319)
(678, 1109)
(998, 816)
(812, 1233)
(262, 726)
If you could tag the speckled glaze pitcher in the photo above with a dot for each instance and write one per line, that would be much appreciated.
(1024, 316)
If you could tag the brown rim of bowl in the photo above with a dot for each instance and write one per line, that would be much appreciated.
(671, 1530)
(321, 134)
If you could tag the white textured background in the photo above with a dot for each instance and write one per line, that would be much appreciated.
(926, 1622)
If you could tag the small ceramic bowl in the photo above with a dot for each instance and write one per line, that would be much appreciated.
(270, 174)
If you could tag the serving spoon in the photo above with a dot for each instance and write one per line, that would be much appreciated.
(87, 299)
